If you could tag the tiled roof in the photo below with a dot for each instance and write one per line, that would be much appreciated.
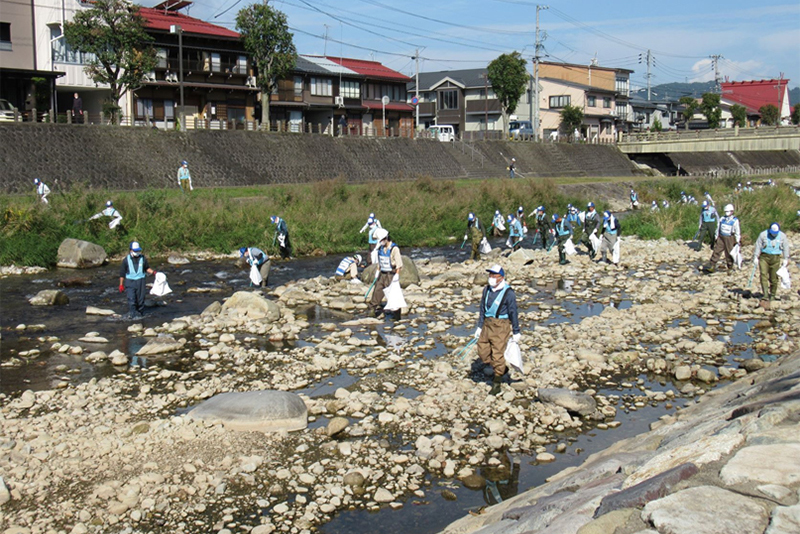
(369, 69)
(158, 19)
(321, 65)
(467, 77)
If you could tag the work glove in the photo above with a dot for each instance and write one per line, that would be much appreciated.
(465, 237)
(516, 338)
(122, 288)
(396, 278)
(191, 188)
(477, 333)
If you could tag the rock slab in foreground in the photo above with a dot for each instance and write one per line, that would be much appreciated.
(159, 345)
(263, 411)
(49, 297)
(77, 254)
(572, 401)
(253, 305)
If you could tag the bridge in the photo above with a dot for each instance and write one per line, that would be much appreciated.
(724, 140)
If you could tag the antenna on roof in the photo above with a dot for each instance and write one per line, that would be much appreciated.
(594, 60)
(325, 52)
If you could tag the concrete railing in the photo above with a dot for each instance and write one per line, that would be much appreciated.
(724, 140)
(721, 133)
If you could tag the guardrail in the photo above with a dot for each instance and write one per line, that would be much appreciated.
(722, 133)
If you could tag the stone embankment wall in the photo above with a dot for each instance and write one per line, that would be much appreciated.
(138, 158)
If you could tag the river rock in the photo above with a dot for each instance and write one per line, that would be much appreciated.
(49, 297)
(118, 358)
(174, 259)
(382, 495)
(408, 274)
(91, 310)
(77, 254)
(336, 425)
(253, 305)
(522, 255)
(75, 281)
(354, 479)
(159, 345)
(5, 495)
(710, 348)
(573, 401)
(263, 411)
(758, 464)
(212, 309)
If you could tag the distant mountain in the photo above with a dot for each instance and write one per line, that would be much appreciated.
(794, 96)
(675, 90)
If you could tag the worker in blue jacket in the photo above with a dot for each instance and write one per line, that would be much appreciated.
(282, 235)
(563, 232)
(131, 280)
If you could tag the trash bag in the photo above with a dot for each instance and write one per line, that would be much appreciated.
(615, 252)
(501, 226)
(524, 230)
(485, 247)
(113, 224)
(255, 275)
(513, 356)
(394, 297)
(736, 254)
(569, 247)
(160, 286)
(786, 281)
(595, 241)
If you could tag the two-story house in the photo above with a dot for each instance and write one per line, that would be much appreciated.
(596, 103)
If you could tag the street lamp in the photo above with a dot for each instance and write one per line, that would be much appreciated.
(175, 28)
(384, 101)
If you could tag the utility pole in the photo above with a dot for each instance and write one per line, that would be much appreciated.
(780, 97)
(325, 50)
(485, 77)
(717, 79)
(649, 61)
(536, 56)
(416, 89)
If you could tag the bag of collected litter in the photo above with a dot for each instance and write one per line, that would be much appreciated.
(736, 254)
(485, 247)
(615, 252)
(394, 297)
(513, 356)
(160, 286)
(255, 275)
(783, 274)
(595, 241)
(569, 247)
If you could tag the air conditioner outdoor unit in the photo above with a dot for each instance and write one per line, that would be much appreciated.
(339, 101)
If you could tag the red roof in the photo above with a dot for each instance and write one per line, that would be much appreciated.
(370, 69)
(756, 93)
(158, 19)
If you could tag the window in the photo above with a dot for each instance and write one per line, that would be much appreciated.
(298, 86)
(144, 107)
(350, 89)
(5, 36)
(61, 51)
(448, 99)
(607, 102)
(621, 110)
(161, 55)
(241, 65)
(591, 101)
(559, 101)
(622, 85)
(169, 110)
(321, 87)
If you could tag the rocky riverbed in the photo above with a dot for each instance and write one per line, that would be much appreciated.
(119, 454)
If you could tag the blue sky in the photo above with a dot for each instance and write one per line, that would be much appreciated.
(755, 41)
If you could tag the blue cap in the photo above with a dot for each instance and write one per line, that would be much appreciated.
(556, 217)
(372, 215)
(135, 246)
(471, 216)
(683, 194)
(496, 269)
(590, 205)
(36, 181)
(273, 218)
(520, 210)
(705, 203)
(606, 215)
(184, 162)
(109, 203)
(774, 228)
(497, 212)
(242, 251)
(510, 217)
(371, 220)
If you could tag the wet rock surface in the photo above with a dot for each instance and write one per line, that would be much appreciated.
(77, 254)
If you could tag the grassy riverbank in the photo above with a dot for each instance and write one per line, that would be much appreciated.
(326, 216)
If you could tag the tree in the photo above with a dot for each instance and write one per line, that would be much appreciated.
(770, 115)
(690, 105)
(508, 78)
(710, 108)
(796, 115)
(113, 32)
(266, 37)
(571, 118)
(657, 127)
(739, 114)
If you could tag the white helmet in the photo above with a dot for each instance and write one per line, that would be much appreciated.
(381, 234)
(729, 209)
(358, 258)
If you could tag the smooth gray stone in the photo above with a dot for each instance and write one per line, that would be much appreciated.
(649, 490)
(572, 401)
(159, 345)
(49, 297)
(253, 305)
(263, 411)
(77, 254)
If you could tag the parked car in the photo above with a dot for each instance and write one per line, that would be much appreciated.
(520, 129)
(6, 111)
(443, 132)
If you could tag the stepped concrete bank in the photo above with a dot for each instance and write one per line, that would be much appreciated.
(728, 464)
(138, 158)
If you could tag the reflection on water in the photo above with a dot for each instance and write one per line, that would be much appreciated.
(502, 481)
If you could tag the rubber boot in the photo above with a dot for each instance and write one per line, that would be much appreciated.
(562, 258)
(496, 381)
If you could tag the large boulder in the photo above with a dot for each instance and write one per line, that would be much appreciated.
(263, 411)
(253, 306)
(77, 254)
(408, 274)
(159, 345)
(49, 297)
(572, 401)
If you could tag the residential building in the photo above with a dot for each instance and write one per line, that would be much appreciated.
(24, 81)
(753, 94)
(342, 95)
(646, 112)
(597, 104)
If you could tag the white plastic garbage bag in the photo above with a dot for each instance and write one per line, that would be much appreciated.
(786, 281)
(394, 297)
(373, 256)
(113, 224)
(615, 252)
(736, 254)
(569, 247)
(513, 356)
(500, 226)
(524, 229)
(595, 241)
(485, 247)
(255, 275)
(160, 286)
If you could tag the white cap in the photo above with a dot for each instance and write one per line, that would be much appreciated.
(135, 246)
(381, 234)
(496, 269)
(729, 208)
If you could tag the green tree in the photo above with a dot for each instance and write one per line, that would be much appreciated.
(657, 127)
(690, 105)
(770, 115)
(796, 114)
(508, 78)
(739, 114)
(571, 118)
(710, 108)
(266, 37)
(113, 32)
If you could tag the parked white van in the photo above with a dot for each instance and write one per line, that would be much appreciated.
(443, 132)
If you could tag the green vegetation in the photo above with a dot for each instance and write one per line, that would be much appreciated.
(710, 108)
(326, 216)
(508, 78)
(770, 116)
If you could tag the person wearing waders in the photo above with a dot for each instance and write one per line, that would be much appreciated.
(512, 168)
(497, 322)
(728, 236)
(574, 220)
(390, 263)
(634, 200)
(349, 267)
(543, 225)
(259, 258)
(771, 246)
(41, 190)
(184, 177)
(521, 219)
(498, 225)
(610, 232)
(110, 211)
(591, 223)
(563, 233)
(282, 235)
(131, 280)
(476, 232)
(515, 232)
(708, 224)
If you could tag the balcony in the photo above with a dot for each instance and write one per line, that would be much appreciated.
(476, 107)
(200, 66)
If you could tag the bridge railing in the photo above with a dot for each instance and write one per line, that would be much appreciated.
(721, 133)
